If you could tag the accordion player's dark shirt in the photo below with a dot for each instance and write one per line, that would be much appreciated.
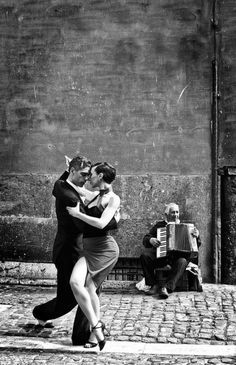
(171, 255)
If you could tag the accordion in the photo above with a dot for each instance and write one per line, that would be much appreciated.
(176, 237)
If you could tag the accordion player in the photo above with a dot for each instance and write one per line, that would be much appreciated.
(176, 237)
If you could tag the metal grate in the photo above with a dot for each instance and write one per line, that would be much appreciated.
(127, 269)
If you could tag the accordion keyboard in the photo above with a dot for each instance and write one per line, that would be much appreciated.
(161, 236)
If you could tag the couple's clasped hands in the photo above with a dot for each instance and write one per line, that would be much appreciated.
(74, 211)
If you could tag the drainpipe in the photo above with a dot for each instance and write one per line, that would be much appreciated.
(216, 181)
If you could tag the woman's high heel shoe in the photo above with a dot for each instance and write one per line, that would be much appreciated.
(100, 325)
(107, 333)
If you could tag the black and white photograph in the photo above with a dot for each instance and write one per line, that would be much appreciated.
(118, 182)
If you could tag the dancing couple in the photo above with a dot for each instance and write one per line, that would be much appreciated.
(84, 252)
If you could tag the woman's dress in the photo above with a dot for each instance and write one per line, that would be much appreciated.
(99, 247)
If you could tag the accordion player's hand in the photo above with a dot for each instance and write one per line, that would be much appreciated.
(154, 242)
(195, 232)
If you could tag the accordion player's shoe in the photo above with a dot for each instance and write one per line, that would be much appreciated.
(153, 290)
(163, 293)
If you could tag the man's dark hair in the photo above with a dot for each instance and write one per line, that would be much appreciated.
(79, 163)
(109, 172)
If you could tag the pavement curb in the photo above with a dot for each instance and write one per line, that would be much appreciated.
(63, 345)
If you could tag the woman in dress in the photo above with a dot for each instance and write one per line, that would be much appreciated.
(100, 250)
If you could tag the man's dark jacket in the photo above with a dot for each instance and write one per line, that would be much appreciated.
(69, 229)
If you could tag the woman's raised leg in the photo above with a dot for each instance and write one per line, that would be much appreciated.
(77, 283)
(82, 295)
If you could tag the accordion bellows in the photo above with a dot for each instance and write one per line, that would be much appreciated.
(176, 237)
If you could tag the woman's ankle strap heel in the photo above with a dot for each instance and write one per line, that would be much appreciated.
(105, 330)
(100, 325)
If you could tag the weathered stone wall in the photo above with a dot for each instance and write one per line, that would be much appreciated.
(124, 81)
(28, 224)
(227, 138)
(227, 125)
(228, 250)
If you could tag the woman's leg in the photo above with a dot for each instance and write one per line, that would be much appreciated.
(92, 290)
(77, 283)
(90, 286)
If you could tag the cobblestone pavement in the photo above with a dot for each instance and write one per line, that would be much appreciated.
(26, 358)
(190, 318)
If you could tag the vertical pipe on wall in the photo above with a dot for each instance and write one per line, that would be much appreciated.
(216, 188)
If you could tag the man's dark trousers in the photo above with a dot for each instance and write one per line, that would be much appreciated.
(65, 301)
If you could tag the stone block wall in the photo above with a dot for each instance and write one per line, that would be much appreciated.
(228, 250)
(28, 223)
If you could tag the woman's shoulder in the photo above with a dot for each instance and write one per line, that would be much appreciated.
(111, 194)
(111, 199)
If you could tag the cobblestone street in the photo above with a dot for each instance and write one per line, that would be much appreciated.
(28, 358)
(187, 328)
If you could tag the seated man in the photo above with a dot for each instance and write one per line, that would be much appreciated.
(178, 261)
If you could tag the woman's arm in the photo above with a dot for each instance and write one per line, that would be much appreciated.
(117, 215)
(105, 218)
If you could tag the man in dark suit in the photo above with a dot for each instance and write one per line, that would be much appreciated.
(66, 249)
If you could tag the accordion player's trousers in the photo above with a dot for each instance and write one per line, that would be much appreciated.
(149, 263)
